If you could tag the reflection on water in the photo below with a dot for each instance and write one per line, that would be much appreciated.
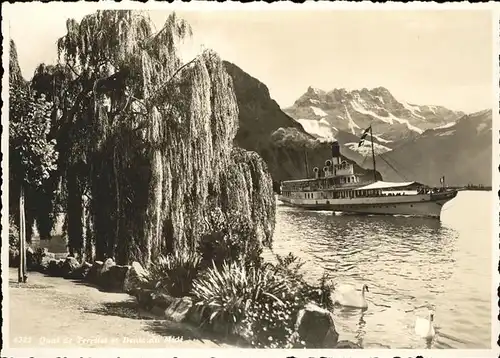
(410, 264)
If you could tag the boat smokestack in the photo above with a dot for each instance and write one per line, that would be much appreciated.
(335, 153)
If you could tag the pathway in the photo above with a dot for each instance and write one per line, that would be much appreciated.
(53, 312)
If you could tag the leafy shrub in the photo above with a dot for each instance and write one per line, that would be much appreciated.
(229, 238)
(175, 273)
(228, 292)
(289, 267)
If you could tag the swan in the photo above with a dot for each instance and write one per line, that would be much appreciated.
(424, 328)
(348, 296)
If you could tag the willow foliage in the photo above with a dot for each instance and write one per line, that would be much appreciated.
(148, 138)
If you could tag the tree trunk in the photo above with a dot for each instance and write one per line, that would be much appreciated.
(75, 214)
(22, 271)
(88, 250)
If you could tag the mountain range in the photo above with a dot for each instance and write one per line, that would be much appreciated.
(413, 142)
(325, 113)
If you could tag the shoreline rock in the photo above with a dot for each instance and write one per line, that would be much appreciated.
(179, 309)
(347, 345)
(70, 264)
(135, 279)
(81, 272)
(114, 278)
(94, 274)
(315, 327)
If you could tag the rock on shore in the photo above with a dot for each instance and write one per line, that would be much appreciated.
(316, 328)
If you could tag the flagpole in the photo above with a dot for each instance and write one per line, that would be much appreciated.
(373, 156)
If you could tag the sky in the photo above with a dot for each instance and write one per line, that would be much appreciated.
(422, 57)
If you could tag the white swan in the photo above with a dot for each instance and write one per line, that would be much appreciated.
(348, 296)
(424, 328)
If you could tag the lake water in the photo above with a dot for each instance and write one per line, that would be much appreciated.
(409, 264)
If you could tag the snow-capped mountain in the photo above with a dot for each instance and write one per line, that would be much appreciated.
(353, 111)
(320, 129)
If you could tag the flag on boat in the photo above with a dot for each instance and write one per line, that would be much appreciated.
(363, 136)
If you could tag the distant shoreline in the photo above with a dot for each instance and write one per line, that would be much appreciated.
(489, 188)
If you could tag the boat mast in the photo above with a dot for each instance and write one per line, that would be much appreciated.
(373, 156)
(306, 162)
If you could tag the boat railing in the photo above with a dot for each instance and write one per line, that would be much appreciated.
(329, 187)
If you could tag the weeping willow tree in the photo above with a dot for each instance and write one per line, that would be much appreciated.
(147, 138)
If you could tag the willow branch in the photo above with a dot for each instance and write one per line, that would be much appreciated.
(74, 71)
(166, 83)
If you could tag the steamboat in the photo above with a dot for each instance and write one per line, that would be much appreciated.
(337, 188)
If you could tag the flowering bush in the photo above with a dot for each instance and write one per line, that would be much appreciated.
(271, 324)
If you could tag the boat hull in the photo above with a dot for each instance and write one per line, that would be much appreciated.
(423, 205)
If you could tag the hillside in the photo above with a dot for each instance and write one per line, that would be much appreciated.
(461, 151)
(263, 127)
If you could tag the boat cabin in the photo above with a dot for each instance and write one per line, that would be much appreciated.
(337, 180)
